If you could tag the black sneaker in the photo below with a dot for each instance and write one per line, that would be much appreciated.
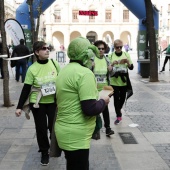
(163, 69)
(109, 132)
(45, 159)
(96, 135)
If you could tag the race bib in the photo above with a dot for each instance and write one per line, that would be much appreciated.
(48, 89)
(122, 69)
(101, 79)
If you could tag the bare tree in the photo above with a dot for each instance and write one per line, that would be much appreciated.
(39, 9)
(6, 97)
(35, 28)
(152, 41)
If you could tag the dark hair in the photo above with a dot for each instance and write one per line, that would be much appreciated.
(37, 46)
(97, 43)
(21, 41)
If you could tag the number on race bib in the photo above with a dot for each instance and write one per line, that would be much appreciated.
(48, 89)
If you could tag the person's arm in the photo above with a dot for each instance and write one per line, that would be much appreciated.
(24, 95)
(28, 51)
(130, 66)
(92, 107)
(165, 49)
(129, 62)
(87, 91)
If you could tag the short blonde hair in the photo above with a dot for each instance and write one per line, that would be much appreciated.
(118, 41)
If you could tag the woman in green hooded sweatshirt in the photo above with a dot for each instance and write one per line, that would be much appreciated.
(78, 104)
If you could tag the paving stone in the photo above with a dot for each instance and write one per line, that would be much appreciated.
(15, 157)
(18, 145)
(6, 165)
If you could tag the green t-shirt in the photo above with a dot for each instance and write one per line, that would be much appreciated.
(73, 128)
(42, 74)
(100, 71)
(168, 49)
(113, 57)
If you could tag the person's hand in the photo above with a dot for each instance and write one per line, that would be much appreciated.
(110, 68)
(18, 112)
(126, 61)
(114, 62)
(106, 99)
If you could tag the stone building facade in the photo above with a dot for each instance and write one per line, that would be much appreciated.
(62, 22)
(164, 22)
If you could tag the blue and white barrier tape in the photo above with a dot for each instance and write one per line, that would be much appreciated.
(15, 58)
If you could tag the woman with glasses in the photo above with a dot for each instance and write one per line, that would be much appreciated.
(100, 70)
(39, 87)
(120, 81)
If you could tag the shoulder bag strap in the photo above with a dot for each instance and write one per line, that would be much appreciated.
(54, 65)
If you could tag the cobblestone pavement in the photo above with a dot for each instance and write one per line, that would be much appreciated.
(148, 109)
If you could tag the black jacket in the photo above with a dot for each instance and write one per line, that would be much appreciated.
(20, 50)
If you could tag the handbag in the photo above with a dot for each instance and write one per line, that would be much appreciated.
(55, 150)
(13, 63)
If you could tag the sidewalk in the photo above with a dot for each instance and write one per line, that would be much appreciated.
(148, 109)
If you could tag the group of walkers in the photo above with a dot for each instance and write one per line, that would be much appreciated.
(72, 93)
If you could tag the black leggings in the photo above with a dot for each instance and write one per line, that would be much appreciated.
(119, 98)
(165, 61)
(106, 117)
(40, 118)
(77, 160)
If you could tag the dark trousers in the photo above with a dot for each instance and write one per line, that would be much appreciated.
(21, 64)
(119, 98)
(77, 160)
(1, 67)
(43, 118)
(165, 61)
(106, 117)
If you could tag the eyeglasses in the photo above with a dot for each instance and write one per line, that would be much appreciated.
(45, 48)
(119, 47)
(101, 48)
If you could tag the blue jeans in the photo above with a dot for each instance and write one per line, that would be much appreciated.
(21, 64)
